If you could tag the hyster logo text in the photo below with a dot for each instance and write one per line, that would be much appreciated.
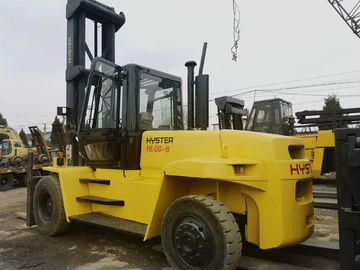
(300, 169)
(157, 140)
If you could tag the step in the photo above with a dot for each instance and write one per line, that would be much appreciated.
(95, 181)
(100, 200)
(111, 222)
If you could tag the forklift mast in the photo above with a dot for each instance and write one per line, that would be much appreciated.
(39, 142)
(328, 119)
(106, 24)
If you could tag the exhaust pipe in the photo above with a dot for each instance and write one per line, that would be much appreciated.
(203, 54)
(198, 106)
(202, 95)
(190, 87)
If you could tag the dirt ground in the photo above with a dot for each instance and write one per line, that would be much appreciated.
(87, 247)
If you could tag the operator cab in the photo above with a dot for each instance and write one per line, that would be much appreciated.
(271, 116)
(120, 104)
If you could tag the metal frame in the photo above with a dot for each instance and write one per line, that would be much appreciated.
(39, 141)
(230, 112)
(351, 18)
(77, 11)
(348, 186)
(335, 119)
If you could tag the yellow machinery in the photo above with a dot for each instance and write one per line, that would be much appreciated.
(11, 144)
(131, 166)
(13, 155)
(187, 184)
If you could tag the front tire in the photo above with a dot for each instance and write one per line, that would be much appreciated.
(48, 205)
(199, 232)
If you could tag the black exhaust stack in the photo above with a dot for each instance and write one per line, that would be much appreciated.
(190, 80)
(201, 94)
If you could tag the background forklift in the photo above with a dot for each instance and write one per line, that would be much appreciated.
(271, 116)
(134, 168)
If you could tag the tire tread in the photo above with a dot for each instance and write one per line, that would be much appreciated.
(60, 224)
(229, 226)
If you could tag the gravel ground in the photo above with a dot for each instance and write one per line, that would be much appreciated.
(87, 247)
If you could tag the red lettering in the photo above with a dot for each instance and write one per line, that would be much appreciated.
(302, 168)
(307, 168)
(294, 169)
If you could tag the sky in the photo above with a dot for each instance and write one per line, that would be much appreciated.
(298, 50)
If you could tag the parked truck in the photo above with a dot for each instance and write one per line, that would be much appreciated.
(13, 159)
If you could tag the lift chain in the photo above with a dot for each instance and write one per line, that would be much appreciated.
(236, 30)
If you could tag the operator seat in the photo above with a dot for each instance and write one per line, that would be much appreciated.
(145, 120)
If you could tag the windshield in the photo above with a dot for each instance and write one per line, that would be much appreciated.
(159, 103)
(5, 148)
(286, 110)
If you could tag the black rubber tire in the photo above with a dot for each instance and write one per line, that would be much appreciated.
(23, 178)
(6, 181)
(199, 232)
(48, 206)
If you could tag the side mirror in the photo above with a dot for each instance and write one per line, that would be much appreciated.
(291, 122)
(63, 111)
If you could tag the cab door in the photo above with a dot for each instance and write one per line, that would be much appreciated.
(99, 133)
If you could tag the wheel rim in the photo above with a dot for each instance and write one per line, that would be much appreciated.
(46, 206)
(4, 181)
(193, 242)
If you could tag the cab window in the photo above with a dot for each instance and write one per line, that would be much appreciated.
(17, 144)
(159, 106)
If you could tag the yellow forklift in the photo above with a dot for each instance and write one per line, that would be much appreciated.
(131, 166)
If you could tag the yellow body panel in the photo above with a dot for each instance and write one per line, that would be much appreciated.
(17, 146)
(315, 145)
(265, 176)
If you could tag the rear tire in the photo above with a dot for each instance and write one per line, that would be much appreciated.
(6, 181)
(199, 232)
(48, 205)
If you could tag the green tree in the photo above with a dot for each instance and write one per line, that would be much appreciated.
(54, 135)
(3, 121)
(331, 104)
(23, 137)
